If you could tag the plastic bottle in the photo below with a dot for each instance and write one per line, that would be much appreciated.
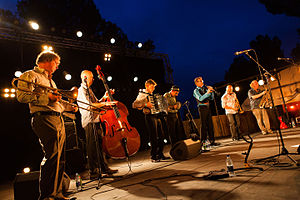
(229, 164)
(293, 123)
(78, 182)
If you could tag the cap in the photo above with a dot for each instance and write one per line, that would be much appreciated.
(175, 88)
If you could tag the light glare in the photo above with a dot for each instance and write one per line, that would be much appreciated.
(79, 34)
(68, 77)
(237, 88)
(34, 25)
(109, 78)
(26, 170)
(135, 79)
(18, 74)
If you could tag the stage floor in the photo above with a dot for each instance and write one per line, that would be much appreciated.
(185, 179)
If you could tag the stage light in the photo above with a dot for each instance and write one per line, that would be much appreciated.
(26, 170)
(107, 57)
(47, 48)
(237, 88)
(13, 90)
(18, 74)
(6, 90)
(79, 34)
(149, 144)
(292, 107)
(68, 77)
(165, 141)
(34, 25)
(261, 82)
(109, 78)
(6, 95)
(12, 95)
(140, 45)
(112, 40)
(135, 79)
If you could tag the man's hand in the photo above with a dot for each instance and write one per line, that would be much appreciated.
(54, 96)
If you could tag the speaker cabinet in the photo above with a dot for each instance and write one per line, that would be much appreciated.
(185, 149)
(75, 161)
(71, 135)
(26, 186)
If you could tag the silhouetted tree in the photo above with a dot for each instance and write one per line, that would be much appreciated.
(267, 50)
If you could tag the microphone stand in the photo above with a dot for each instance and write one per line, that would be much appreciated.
(284, 151)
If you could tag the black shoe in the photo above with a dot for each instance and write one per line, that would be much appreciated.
(155, 159)
(110, 171)
(162, 157)
(215, 144)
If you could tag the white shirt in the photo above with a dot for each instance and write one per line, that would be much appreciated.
(230, 101)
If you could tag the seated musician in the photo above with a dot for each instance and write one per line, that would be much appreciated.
(154, 122)
(91, 124)
(174, 122)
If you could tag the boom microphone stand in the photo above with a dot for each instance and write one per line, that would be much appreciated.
(284, 151)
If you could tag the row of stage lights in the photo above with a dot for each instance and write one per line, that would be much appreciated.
(35, 26)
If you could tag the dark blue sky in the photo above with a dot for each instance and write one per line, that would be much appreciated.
(199, 36)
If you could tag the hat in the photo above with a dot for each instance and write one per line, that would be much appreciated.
(175, 88)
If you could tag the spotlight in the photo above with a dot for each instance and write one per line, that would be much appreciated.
(13, 90)
(237, 88)
(26, 170)
(6, 90)
(12, 95)
(68, 77)
(109, 78)
(112, 40)
(79, 34)
(34, 25)
(135, 79)
(47, 48)
(107, 57)
(140, 45)
(6, 95)
(165, 141)
(149, 144)
(18, 74)
(261, 82)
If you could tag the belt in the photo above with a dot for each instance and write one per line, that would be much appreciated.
(53, 113)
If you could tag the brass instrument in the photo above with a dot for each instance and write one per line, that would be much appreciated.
(264, 101)
(237, 105)
(71, 95)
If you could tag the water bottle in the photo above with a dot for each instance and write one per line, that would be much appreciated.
(293, 123)
(229, 164)
(78, 182)
(204, 146)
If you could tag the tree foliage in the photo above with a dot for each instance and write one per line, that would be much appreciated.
(287, 7)
(267, 50)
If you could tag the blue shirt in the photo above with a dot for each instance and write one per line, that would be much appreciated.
(201, 95)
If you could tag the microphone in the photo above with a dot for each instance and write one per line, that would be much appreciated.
(283, 58)
(240, 52)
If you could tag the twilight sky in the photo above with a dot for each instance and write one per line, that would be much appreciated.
(199, 36)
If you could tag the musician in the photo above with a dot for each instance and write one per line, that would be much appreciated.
(230, 104)
(92, 126)
(255, 95)
(203, 95)
(47, 122)
(174, 122)
(154, 122)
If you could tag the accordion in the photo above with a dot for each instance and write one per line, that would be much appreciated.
(159, 105)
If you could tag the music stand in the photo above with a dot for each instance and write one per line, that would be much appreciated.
(267, 75)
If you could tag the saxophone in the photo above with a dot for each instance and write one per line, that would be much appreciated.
(264, 100)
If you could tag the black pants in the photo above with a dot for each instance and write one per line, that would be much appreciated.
(94, 133)
(51, 132)
(175, 128)
(155, 126)
(206, 126)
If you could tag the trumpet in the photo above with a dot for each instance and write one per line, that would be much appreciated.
(71, 95)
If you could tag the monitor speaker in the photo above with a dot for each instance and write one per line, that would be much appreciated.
(185, 149)
(26, 186)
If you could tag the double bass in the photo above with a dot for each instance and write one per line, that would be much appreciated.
(120, 140)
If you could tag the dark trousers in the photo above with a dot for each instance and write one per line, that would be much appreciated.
(206, 127)
(175, 128)
(155, 127)
(51, 132)
(94, 133)
(234, 124)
